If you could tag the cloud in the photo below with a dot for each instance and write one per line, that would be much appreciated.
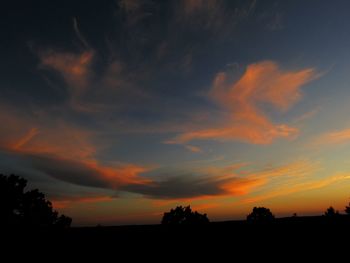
(136, 10)
(78, 33)
(27, 137)
(65, 203)
(243, 101)
(68, 154)
(192, 6)
(75, 68)
(218, 182)
(64, 151)
(90, 90)
(194, 149)
(332, 138)
(83, 171)
(215, 15)
(307, 115)
(76, 172)
(76, 71)
(298, 187)
(56, 138)
(187, 185)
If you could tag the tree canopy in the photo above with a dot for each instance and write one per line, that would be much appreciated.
(330, 212)
(184, 216)
(347, 209)
(26, 208)
(260, 215)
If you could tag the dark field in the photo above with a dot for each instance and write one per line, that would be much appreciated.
(292, 237)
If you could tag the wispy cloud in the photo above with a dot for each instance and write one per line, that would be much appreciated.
(194, 149)
(286, 189)
(332, 138)
(88, 173)
(262, 83)
(65, 152)
(89, 90)
(79, 34)
(213, 15)
(68, 154)
(65, 203)
(307, 115)
(233, 180)
(75, 68)
(27, 137)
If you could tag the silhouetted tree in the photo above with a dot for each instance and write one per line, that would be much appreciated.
(347, 209)
(31, 209)
(330, 212)
(184, 216)
(260, 215)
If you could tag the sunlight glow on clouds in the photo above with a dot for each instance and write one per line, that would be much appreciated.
(130, 107)
(262, 83)
(64, 152)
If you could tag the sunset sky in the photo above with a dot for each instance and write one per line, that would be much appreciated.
(121, 110)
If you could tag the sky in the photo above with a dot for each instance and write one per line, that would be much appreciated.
(121, 110)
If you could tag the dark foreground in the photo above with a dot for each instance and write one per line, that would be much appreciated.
(293, 238)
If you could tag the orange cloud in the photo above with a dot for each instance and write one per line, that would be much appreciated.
(252, 180)
(75, 68)
(240, 182)
(194, 149)
(121, 175)
(232, 181)
(331, 138)
(59, 204)
(204, 207)
(66, 148)
(243, 187)
(31, 133)
(242, 101)
(298, 187)
(58, 139)
(67, 153)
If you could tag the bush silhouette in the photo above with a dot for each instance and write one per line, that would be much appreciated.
(29, 209)
(260, 215)
(330, 212)
(184, 216)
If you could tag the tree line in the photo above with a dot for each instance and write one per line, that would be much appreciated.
(183, 215)
(20, 208)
